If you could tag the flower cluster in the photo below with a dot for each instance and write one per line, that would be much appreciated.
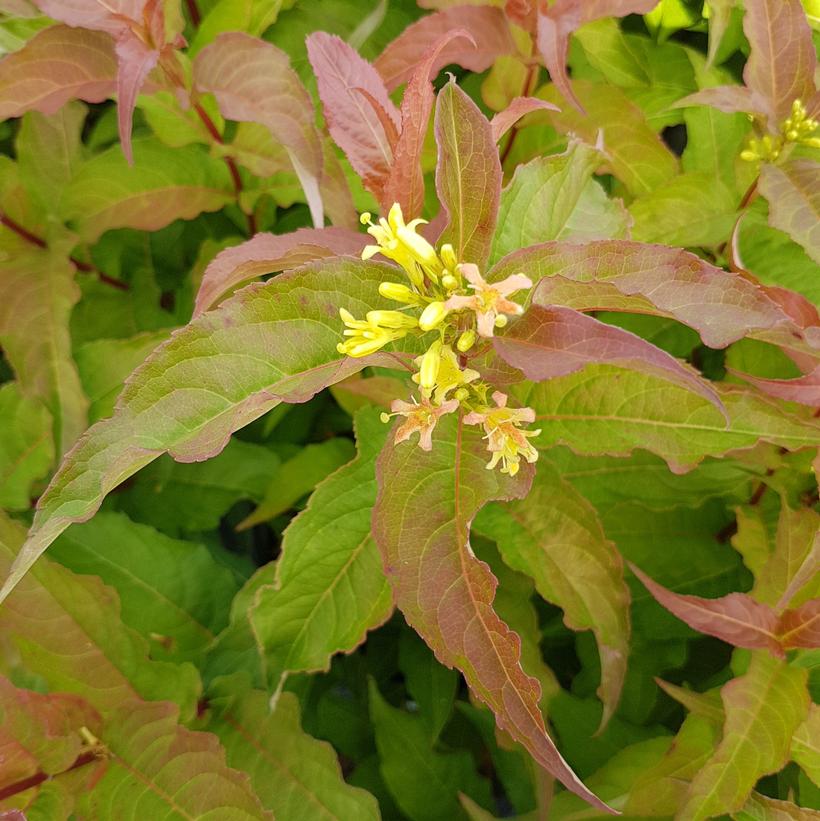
(799, 128)
(451, 300)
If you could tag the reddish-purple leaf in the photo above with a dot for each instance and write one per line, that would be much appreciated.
(724, 98)
(406, 182)
(557, 22)
(58, 64)
(421, 523)
(468, 175)
(801, 627)
(362, 118)
(136, 60)
(486, 25)
(804, 389)
(137, 26)
(111, 16)
(520, 106)
(736, 619)
(629, 276)
(781, 66)
(253, 82)
(268, 253)
(553, 341)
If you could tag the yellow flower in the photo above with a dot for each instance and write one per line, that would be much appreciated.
(439, 370)
(400, 242)
(366, 336)
(505, 440)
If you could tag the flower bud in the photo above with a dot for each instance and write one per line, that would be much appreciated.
(461, 394)
(398, 292)
(448, 256)
(430, 362)
(449, 282)
(432, 316)
(466, 341)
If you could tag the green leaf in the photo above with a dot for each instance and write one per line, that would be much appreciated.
(607, 410)
(105, 363)
(468, 175)
(49, 152)
(159, 187)
(794, 201)
(158, 769)
(554, 536)
(172, 592)
(791, 575)
(615, 780)
(763, 708)
(608, 481)
(773, 257)
(26, 446)
(67, 629)
(762, 808)
(636, 154)
(328, 588)
(653, 75)
(294, 775)
(806, 744)
(291, 480)
(184, 498)
(690, 210)
(714, 142)
(407, 761)
(432, 685)
(421, 524)
(712, 568)
(661, 789)
(37, 293)
(556, 198)
(268, 343)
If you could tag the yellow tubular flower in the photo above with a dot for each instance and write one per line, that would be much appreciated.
(430, 362)
(369, 335)
(432, 316)
(398, 293)
(400, 242)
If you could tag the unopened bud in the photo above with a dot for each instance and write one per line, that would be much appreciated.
(398, 293)
(449, 282)
(430, 362)
(448, 256)
(432, 316)
(466, 341)
(461, 394)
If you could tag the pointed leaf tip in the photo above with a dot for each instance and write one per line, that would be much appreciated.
(421, 522)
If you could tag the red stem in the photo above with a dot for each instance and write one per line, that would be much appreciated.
(41, 243)
(193, 12)
(229, 161)
(528, 81)
(39, 777)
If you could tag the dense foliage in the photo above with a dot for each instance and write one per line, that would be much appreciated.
(405, 394)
